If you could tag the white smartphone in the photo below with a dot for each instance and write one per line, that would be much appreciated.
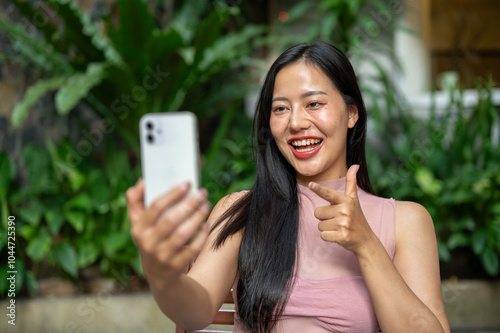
(169, 152)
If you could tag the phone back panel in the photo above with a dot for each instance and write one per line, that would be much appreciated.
(169, 152)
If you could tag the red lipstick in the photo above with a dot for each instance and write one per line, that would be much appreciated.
(307, 146)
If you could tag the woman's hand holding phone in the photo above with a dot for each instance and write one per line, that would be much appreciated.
(170, 232)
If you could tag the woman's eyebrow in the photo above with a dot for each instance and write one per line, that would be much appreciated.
(304, 95)
(275, 99)
(311, 93)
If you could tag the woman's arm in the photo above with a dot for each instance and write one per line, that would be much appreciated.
(168, 241)
(406, 293)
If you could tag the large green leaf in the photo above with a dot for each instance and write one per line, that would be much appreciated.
(490, 261)
(39, 247)
(207, 33)
(32, 212)
(76, 32)
(76, 219)
(55, 219)
(132, 35)
(65, 161)
(229, 48)
(478, 240)
(87, 254)
(78, 86)
(187, 18)
(163, 44)
(66, 257)
(457, 240)
(114, 242)
(172, 89)
(31, 97)
(27, 232)
(81, 201)
(427, 182)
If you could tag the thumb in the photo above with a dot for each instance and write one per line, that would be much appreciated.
(351, 185)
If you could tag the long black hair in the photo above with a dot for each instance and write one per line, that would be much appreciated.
(268, 212)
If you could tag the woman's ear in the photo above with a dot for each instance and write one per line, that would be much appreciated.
(353, 115)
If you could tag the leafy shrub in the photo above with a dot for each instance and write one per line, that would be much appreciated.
(71, 211)
(449, 163)
(125, 65)
(69, 215)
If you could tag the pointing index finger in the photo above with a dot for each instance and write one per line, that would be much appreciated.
(333, 197)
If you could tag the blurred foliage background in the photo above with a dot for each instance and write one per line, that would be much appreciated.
(95, 74)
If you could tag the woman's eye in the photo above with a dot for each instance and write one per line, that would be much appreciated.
(315, 104)
(279, 109)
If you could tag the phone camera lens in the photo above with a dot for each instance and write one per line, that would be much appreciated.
(150, 138)
(149, 125)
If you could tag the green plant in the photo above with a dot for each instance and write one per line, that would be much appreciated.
(126, 64)
(69, 196)
(449, 163)
(229, 165)
(68, 217)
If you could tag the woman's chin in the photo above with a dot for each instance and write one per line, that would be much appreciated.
(306, 175)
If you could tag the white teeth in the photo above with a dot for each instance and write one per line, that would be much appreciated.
(298, 143)
(300, 150)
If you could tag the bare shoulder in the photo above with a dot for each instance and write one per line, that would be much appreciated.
(227, 201)
(414, 228)
(412, 208)
(411, 215)
(223, 205)
(415, 234)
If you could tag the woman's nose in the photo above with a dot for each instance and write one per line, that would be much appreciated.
(299, 120)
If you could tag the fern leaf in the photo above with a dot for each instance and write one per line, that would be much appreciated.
(78, 86)
(32, 95)
(75, 32)
(34, 49)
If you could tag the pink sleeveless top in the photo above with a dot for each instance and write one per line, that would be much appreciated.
(329, 293)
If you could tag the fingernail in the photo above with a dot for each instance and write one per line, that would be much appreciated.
(201, 194)
(312, 186)
(206, 208)
(184, 186)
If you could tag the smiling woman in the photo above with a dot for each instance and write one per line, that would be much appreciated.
(309, 247)
(309, 122)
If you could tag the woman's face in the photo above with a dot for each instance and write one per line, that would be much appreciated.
(309, 122)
